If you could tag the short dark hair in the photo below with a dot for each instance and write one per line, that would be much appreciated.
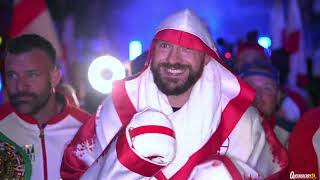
(28, 42)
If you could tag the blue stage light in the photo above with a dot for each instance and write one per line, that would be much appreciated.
(264, 41)
(1, 84)
(135, 49)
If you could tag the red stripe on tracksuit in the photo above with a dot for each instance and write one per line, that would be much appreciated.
(132, 161)
(44, 153)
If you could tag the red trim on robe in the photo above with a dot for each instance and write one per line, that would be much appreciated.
(229, 119)
(232, 169)
(160, 176)
(230, 116)
(188, 40)
(131, 160)
(126, 156)
(122, 103)
(279, 153)
(151, 129)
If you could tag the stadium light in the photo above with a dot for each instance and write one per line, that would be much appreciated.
(103, 71)
(264, 41)
(0, 84)
(135, 49)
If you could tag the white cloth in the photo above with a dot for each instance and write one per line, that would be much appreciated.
(193, 124)
(25, 132)
(216, 104)
(214, 169)
(146, 134)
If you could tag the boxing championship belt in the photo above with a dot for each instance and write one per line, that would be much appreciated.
(14, 162)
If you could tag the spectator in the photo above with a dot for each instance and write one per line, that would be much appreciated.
(36, 118)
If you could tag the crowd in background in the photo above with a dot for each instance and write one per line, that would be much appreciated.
(281, 102)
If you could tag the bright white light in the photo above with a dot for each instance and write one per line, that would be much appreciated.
(264, 42)
(135, 49)
(103, 71)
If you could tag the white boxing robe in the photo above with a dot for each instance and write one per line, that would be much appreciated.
(238, 136)
(216, 122)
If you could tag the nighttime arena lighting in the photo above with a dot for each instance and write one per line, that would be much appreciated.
(135, 49)
(103, 71)
(0, 84)
(227, 55)
(264, 41)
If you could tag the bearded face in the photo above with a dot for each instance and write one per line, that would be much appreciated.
(28, 81)
(176, 69)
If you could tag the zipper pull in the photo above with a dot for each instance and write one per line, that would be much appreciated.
(41, 127)
(41, 135)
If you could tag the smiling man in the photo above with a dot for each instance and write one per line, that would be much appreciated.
(183, 110)
(176, 69)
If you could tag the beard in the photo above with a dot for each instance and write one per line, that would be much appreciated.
(173, 86)
(35, 101)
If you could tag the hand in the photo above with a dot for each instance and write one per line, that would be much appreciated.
(150, 133)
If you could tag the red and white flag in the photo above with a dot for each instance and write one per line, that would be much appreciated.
(277, 24)
(32, 16)
(288, 34)
(294, 43)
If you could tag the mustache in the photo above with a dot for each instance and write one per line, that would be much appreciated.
(16, 96)
(174, 66)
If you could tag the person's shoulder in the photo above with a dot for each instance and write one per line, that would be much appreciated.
(80, 114)
(307, 125)
(309, 118)
(5, 110)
